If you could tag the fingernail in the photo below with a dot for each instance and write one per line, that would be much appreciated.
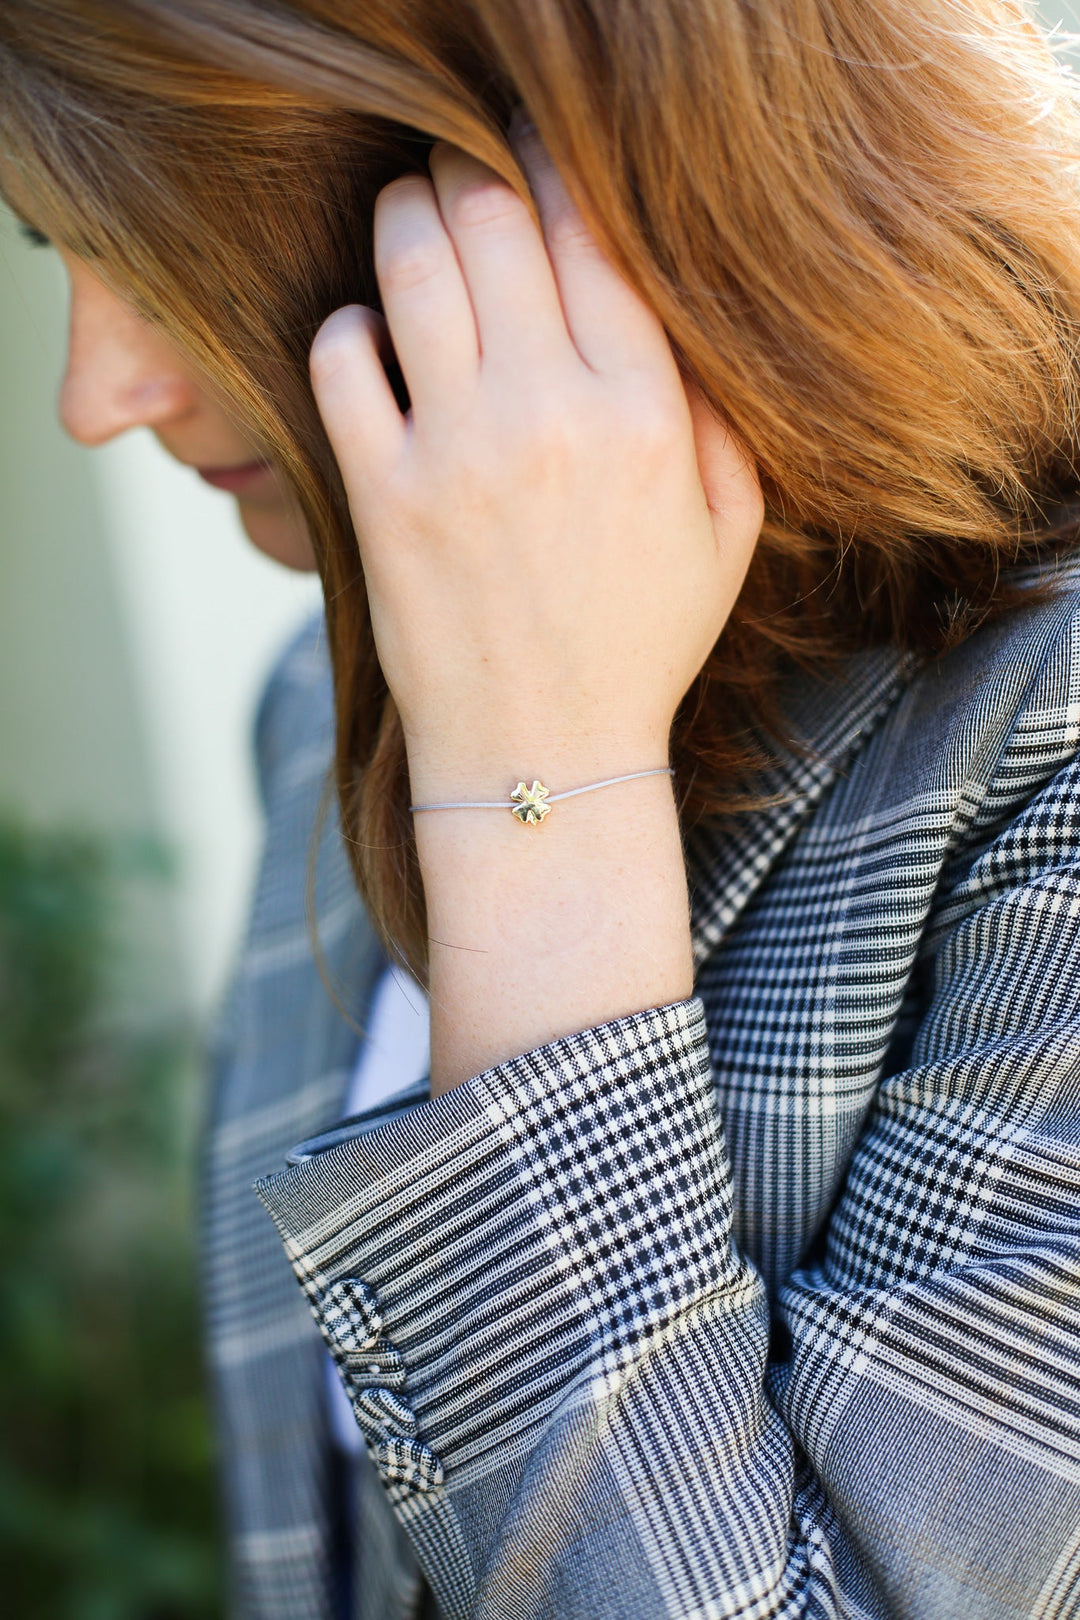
(521, 125)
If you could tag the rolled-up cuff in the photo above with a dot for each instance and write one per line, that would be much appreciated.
(475, 1259)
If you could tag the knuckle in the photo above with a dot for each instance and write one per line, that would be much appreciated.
(654, 429)
(548, 435)
(749, 508)
(567, 232)
(404, 510)
(485, 203)
(559, 433)
(408, 246)
(409, 263)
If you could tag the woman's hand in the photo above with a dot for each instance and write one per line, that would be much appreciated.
(552, 539)
(554, 535)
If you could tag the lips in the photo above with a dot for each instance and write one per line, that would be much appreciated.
(236, 480)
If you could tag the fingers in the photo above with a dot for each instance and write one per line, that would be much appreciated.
(611, 327)
(467, 279)
(424, 295)
(504, 261)
(469, 283)
(362, 419)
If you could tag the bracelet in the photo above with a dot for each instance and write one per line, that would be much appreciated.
(531, 805)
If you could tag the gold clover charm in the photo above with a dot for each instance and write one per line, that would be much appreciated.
(529, 804)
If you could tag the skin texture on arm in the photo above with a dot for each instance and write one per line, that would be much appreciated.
(540, 932)
(552, 539)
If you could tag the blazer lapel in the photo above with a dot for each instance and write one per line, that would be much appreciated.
(828, 722)
(284, 1056)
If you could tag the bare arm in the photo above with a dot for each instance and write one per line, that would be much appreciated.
(538, 932)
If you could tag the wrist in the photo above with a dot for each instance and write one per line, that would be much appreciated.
(458, 776)
(538, 932)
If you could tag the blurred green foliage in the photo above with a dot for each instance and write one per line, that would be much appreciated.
(107, 1503)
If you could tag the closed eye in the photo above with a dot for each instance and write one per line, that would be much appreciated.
(32, 235)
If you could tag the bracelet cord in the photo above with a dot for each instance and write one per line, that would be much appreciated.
(552, 798)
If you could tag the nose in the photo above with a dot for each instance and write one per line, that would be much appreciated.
(121, 371)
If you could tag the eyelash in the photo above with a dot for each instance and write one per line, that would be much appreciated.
(35, 237)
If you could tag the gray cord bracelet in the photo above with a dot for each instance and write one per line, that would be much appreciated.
(531, 805)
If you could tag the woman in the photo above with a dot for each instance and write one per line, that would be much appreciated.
(723, 424)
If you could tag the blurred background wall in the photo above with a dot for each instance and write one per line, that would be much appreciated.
(136, 627)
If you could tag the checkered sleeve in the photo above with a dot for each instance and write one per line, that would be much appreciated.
(562, 1363)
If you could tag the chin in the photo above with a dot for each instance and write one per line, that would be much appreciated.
(280, 533)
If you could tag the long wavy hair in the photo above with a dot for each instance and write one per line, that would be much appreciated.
(859, 225)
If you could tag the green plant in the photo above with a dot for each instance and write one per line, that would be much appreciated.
(106, 1494)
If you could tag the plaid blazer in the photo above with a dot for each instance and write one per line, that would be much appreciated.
(764, 1303)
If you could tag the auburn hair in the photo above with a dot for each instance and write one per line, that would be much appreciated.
(859, 225)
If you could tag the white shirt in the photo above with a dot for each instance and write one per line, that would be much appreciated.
(395, 1055)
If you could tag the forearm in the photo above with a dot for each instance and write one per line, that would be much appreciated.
(537, 932)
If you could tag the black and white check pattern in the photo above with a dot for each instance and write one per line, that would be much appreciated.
(351, 1314)
(766, 1303)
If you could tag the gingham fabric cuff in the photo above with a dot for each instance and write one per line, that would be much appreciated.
(525, 1233)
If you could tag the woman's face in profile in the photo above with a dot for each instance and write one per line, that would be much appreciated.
(122, 372)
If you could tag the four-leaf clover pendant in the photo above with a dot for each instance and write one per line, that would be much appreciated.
(530, 804)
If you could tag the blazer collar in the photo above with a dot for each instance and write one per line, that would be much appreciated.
(827, 722)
